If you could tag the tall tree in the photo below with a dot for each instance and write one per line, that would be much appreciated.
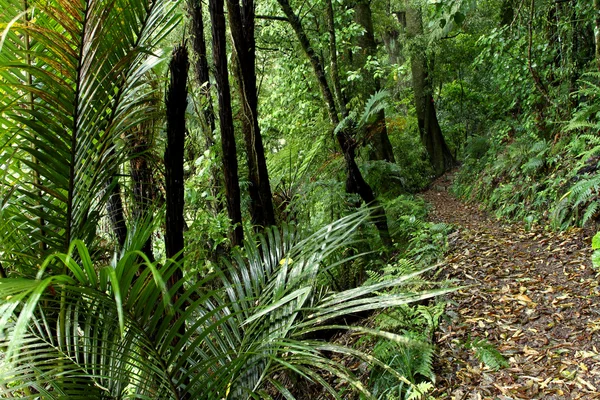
(230, 163)
(241, 23)
(597, 31)
(203, 77)
(333, 59)
(381, 147)
(431, 133)
(345, 135)
(201, 65)
(176, 103)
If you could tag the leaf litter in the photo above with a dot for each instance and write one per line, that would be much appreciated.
(533, 295)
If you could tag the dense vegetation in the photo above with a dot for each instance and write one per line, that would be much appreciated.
(197, 199)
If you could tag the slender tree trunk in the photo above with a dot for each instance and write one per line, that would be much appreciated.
(202, 76)
(176, 104)
(114, 208)
(335, 76)
(315, 62)
(355, 182)
(174, 153)
(230, 164)
(143, 183)
(201, 66)
(431, 133)
(597, 31)
(241, 23)
(377, 131)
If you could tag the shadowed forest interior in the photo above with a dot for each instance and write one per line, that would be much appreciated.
(299, 199)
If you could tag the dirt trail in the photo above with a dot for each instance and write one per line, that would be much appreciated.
(535, 297)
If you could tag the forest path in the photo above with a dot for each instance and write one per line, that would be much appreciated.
(534, 297)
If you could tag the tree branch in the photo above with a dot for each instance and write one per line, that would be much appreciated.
(272, 17)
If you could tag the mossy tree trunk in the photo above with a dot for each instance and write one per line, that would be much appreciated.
(381, 147)
(355, 183)
(429, 128)
(201, 71)
(241, 23)
(228, 146)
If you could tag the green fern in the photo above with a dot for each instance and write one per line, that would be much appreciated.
(413, 360)
(583, 197)
(488, 354)
(353, 121)
(376, 103)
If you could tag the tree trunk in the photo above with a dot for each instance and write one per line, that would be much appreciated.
(315, 62)
(381, 147)
(597, 31)
(143, 183)
(202, 76)
(174, 153)
(429, 128)
(355, 182)
(335, 76)
(230, 164)
(241, 23)
(176, 104)
(201, 66)
(114, 208)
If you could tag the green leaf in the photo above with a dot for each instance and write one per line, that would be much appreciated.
(459, 18)
(596, 241)
(596, 259)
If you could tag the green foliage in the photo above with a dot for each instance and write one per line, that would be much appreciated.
(413, 357)
(73, 85)
(596, 248)
(118, 330)
(414, 360)
(488, 354)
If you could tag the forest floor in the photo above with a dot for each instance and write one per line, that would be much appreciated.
(532, 294)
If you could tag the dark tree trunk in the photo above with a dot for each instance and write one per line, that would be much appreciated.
(597, 31)
(143, 183)
(114, 208)
(201, 66)
(315, 62)
(335, 76)
(174, 153)
(241, 23)
(355, 182)
(176, 104)
(431, 134)
(507, 12)
(230, 164)
(202, 76)
(381, 147)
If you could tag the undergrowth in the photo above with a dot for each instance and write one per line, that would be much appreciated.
(534, 179)
(417, 244)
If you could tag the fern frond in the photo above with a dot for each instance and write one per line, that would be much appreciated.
(488, 354)
(375, 104)
(590, 212)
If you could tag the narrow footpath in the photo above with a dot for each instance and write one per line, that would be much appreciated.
(532, 294)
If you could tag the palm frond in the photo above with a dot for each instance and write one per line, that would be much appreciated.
(118, 331)
(72, 78)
